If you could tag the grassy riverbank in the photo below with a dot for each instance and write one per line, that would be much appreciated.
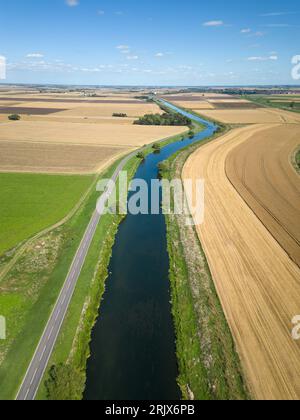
(208, 363)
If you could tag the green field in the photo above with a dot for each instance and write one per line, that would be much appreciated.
(288, 103)
(32, 202)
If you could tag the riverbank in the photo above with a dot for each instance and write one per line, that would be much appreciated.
(209, 367)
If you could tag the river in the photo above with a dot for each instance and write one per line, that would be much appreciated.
(133, 352)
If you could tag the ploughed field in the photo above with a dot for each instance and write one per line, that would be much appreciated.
(251, 237)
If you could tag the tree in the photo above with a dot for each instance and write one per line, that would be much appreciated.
(156, 147)
(65, 383)
(140, 155)
(14, 117)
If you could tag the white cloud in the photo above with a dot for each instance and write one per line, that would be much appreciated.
(35, 55)
(261, 58)
(159, 55)
(213, 23)
(274, 14)
(246, 31)
(123, 47)
(132, 57)
(72, 3)
(100, 12)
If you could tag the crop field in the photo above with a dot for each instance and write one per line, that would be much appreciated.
(289, 102)
(31, 203)
(56, 159)
(256, 116)
(235, 105)
(194, 104)
(261, 172)
(82, 120)
(28, 111)
(107, 110)
(70, 133)
(257, 281)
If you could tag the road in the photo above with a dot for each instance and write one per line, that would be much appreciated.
(38, 365)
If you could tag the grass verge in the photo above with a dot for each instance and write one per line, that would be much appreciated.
(209, 367)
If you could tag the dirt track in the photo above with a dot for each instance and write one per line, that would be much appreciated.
(258, 284)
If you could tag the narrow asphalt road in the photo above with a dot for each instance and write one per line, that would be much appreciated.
(38, 365)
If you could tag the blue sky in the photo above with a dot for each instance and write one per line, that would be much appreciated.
(136, 42)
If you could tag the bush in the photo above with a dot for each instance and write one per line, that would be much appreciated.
(140, 155)
(64, 384)
(116, 114)
(156, 147)
(14, 117)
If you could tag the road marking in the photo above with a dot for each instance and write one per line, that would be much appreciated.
(43, 353)
(27, 394)
(33, 377)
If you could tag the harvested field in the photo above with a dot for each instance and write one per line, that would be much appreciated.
(81, 120)
(229, 100)
(194, 104)
(107, 110)
(261, 171)
(235, 105)
(73, 101)
(186, 98)
(51, 158)
(256, 280)
(259, 116)
(28, 111)
(71, 133)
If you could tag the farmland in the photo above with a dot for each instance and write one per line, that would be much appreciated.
(72, 135)
(248, 264)
(261, 172)
(256, 116)
(48, 166)
(285, 102)
(31, 203)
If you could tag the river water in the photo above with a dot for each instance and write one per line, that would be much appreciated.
(133, 352)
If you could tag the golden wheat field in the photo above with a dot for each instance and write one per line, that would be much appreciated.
(68, 147)
(54, 158)
(257, 281)
(252, 116)
(107, 110)
(73, 133)
(82, 120)
(194, 104)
